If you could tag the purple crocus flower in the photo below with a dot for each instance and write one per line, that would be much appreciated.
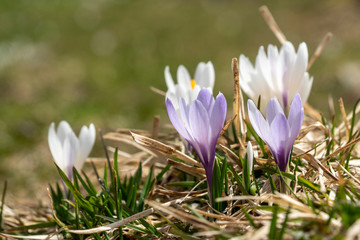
(200, 123)
(277, 131)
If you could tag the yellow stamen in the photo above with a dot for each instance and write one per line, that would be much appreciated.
(193, 83)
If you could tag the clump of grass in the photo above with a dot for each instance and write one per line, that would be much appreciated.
(166, 196)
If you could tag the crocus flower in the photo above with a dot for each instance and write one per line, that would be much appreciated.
(279, 74)
(250, 156)
(200, 123)
(247, 170)
(188, 88)
(277, 131)
(69, 151)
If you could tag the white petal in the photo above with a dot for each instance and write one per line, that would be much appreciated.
(263, 67)
(184, 93)
(205, 75)
(168, 79)
(299, 69)
(258, 122)
(277, 67)
(183, 77)
(64, 129)
(173, 98)
(305, 87)
(55, 146)
(69, 154)
(194, 93)
(86, 142)
(200, 75)
(245, 71)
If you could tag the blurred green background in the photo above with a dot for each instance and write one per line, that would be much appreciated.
(95, 60)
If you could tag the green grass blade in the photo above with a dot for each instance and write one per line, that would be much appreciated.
(272, 232)
(248, 217)
(147, 187)
(284, 224)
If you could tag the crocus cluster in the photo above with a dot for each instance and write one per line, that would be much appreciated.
(277, 131)
(277, 74)
(200, 123)
(69, 151)
(188, 88)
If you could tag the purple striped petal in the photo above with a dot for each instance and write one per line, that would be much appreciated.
(280, 144)
(184, 113)
(296, 116)
(206, 98)
(175, 120)
(258, 122)
(199, 122)
(273, 108)
(218, 115)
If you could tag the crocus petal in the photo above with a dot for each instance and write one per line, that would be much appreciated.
(199, 122)
(86, 143)
(211, 74)
(217, 116)
(168, 79)
(63, 130)
(272, 109)
(280, 147)
(258, 122)
(301, 63)
(199, 128)
(173, 98)
(279, 130)
(55, 146)
(205, 75)
(262, 64)
(305, 87)
(200, 73)
(296, 116)
(194, 93)
(206, 98)
(175, 120)
(69, 154)
(183, 77)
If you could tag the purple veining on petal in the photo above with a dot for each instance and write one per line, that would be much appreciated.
(285, 99)
(206, 98)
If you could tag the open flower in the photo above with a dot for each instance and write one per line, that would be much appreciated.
(188, 88)
(69, 151)
(200, 123)
(279, 74)
(278, 132)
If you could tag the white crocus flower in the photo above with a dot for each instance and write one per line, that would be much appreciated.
(69, 151)
(250, 156)
(277, 74)
(188, 88)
